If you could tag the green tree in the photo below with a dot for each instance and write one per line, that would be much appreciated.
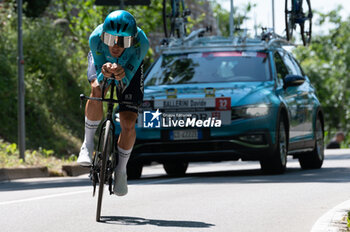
(31, 8)
(327, 63)
(52, 104)
(83, 17)
(35, 8)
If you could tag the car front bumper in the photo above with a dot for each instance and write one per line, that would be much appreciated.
(206, 149)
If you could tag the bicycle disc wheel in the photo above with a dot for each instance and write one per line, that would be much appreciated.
(306, 26)
(289, 19)
(107, 139)
(168, 18)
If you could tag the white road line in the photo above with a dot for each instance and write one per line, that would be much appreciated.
(43, 197)
(86, 191)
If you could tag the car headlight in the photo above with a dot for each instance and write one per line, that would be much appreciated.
(250, 111)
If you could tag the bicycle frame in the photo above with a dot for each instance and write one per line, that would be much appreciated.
(175, 6)
(105, 158)
(295, 15)
(297, 5)
(110, 104)
(177, 17)
(109, 117)
(297, 8)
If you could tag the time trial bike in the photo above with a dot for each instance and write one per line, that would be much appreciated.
(105, 157)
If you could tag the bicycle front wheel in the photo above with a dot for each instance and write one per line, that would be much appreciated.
(107, 144)
(289, 19)
(306, 26)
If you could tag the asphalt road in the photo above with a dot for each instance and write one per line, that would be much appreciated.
(228, 196)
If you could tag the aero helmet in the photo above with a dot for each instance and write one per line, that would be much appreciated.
(119, 28)
(120, 23)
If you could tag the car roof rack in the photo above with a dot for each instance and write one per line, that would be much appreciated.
(196, 40)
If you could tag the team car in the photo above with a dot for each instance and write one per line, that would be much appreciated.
(221, 99)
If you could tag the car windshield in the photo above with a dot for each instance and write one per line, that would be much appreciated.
(209, 67)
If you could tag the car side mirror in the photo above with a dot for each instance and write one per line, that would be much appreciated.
(293, 80)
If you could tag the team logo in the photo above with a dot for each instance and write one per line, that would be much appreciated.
(128, 97)
(130, 67)
(141, 79)
(136, 45)
(151, 119)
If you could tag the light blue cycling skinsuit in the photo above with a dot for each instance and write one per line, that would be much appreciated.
(131, 60)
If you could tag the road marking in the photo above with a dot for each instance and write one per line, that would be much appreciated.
(43, 197)
(86, 191)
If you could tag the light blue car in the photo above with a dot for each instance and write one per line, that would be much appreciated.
(215, 99)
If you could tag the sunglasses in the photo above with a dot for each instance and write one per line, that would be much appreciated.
(121, 41)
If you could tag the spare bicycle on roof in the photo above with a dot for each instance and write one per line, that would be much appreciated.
(297, 12)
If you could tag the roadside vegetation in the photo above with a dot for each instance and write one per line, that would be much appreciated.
(9, 158)
(326, 62)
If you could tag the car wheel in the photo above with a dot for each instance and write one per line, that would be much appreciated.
(134, 171)
(314, 159)
(175, 168)
(276, 164)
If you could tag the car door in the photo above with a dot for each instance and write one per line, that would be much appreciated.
(289, 95)
(300, 128)
(307, 94)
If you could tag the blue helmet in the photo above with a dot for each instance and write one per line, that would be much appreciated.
(120, 23)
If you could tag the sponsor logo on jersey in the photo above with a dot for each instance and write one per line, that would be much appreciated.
(141, 79)
(130, 67)
(128, 97)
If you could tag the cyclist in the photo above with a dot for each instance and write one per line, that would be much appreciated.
(118, 48)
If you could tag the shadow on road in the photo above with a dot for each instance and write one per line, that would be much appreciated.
(241, 176)
(54, 183)
(251, 176)
(162, 223)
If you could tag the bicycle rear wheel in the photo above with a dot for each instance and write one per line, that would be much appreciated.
(306, 26)
(289, 19)
(106, 151)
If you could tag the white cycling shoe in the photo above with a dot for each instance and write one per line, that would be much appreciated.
(85, 155)
(120, 183)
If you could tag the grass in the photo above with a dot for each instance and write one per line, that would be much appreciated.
(9, 158)
(348, 219)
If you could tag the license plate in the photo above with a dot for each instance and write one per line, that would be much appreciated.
(184, 134)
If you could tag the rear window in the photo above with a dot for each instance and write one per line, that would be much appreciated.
(209, 67)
